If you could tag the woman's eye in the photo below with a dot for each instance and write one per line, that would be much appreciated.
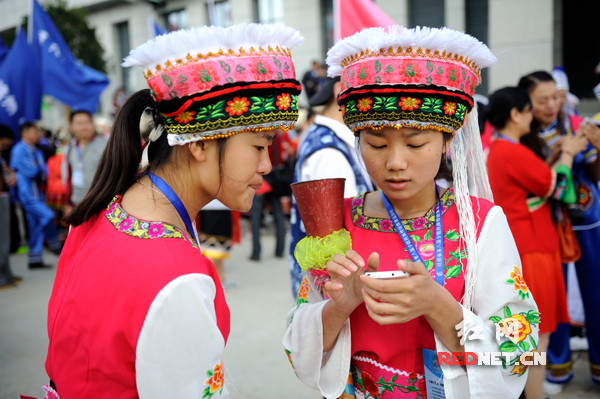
(378, 147)
(260, 148)
(416, 146)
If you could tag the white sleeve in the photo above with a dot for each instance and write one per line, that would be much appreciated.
(495, 299)
(330, 163)
(303, 342)
(180, 348)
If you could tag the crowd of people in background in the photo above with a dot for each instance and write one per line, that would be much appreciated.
(43, 176)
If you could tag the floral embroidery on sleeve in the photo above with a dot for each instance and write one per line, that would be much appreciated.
(303, 292)
(519, 285)
(214, 382)
(517, 328)
(289, 355)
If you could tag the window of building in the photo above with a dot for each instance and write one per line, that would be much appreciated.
(268, 11)
(426, 13)
(176, 20)
(327, 29)
(124, 48)
(476, 25)
(219, 13)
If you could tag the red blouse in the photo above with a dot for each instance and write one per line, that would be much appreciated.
(400, 345)
(110, 272)
(517, 174)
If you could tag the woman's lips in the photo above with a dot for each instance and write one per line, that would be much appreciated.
(256, 187)
(397, 184)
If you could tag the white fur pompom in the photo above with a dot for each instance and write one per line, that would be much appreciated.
(207, 39)
(375, 39)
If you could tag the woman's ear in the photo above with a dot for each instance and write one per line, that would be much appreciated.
(198, 150)
(514, 115)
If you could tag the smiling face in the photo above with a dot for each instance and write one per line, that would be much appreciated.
(244, 161)
(402, 162)
(545, 102)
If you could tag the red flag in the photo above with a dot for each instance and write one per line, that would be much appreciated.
(351, 16)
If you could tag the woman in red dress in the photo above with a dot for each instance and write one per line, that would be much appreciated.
(523, 184)
(136, 311)
(407, 96)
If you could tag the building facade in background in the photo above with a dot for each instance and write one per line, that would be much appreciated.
(525, 35)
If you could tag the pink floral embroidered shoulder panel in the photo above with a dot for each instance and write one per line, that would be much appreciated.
(132, 226)
(386, 226)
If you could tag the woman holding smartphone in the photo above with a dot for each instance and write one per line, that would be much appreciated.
(407, 95)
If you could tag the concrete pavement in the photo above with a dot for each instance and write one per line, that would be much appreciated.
(256, 360)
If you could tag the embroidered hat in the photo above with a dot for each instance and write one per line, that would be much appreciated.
(213, 82)
(422, 78)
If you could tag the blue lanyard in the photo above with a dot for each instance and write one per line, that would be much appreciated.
(503, 137)
(175, 201)
(79, 156)
(410, 246)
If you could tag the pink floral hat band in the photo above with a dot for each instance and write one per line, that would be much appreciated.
(227, 80)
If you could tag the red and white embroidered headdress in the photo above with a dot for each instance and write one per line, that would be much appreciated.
(422, 78)
(213, 82)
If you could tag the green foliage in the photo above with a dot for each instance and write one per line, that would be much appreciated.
(74, 27)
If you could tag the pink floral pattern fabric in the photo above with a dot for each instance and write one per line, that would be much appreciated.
(421, 231)
(139, 228)
(385, 225)
(451, 74)
(202, 76)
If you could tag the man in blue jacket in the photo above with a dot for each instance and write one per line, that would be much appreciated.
(28, 163)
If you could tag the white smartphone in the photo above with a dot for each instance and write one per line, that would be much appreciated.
(388, 275)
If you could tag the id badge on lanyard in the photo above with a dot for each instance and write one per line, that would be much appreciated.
(434, 378)
(77, 176)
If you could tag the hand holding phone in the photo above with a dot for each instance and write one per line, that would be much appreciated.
(396, 274)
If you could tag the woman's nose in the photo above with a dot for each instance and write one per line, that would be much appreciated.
(397, 161)
(265, 167)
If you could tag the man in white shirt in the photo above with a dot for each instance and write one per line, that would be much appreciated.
(328, 151)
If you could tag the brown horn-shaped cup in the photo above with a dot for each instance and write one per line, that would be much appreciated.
(321, 205)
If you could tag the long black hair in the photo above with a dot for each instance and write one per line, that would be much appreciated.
(502, 102)
(532, 140)
(118, 166)
(119, 162)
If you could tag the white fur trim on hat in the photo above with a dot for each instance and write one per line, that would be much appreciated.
(375, 39)
(207, 39)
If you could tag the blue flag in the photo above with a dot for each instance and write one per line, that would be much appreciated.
(155, 28)
(65, 77)
(3, 51)
(20, 85)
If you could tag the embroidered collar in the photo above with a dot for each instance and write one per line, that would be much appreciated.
(386, 226)
(130, 225)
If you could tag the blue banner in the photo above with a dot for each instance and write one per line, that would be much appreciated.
(65, 77)
(156, 28)
(3, 51)
(20, 85)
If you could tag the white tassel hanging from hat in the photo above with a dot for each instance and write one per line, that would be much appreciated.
(470, 179)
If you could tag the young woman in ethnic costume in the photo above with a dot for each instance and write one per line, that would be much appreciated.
(546, 139)
(523, 186)
(407, 96)
(136, 310)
